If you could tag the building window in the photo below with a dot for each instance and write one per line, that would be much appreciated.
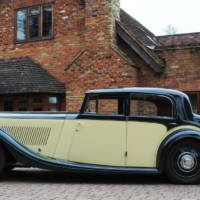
(34, 23)
(53, 109)
(8, 106)
(37, 109)
(32, 102)
(22, 109)
(53, 100)
(37, 99)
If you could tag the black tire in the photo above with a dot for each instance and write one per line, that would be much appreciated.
(8, 168)
(183, 162)
(2, 160)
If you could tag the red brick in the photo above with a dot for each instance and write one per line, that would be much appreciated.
(76, 29)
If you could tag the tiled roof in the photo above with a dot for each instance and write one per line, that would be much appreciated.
(142, 39)
(178, 40)
(137, 30)
(23, 75)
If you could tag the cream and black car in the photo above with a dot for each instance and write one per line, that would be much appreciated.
(118, 131)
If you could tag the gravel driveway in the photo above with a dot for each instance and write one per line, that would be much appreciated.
(34, 184)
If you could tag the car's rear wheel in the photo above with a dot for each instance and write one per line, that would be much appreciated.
(183, 162)
(2, 160)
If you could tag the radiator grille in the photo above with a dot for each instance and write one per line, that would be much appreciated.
(29, 135)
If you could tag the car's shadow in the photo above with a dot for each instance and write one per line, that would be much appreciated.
(43, 176)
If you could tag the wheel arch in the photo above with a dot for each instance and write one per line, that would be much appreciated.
(172, 139)
(9, 156)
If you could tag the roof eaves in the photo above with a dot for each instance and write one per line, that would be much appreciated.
(139, 48)
(135, 28)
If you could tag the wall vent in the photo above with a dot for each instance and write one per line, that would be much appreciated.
(29, 135)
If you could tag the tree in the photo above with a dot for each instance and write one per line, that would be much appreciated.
(170, 30)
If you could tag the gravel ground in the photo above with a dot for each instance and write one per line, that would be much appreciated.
(34, 184)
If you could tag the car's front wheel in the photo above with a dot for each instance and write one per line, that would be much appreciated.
(183, 162)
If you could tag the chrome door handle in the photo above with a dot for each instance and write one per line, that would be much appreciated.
(173, 124)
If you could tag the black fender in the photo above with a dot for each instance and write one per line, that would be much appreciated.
(170, 140)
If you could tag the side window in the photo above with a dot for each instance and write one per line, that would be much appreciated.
(151, 106)
(194, 99)
(91, 106)
(108, 106)
(143, 108)
(105, 105)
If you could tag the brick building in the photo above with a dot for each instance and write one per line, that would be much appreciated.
(51, 51)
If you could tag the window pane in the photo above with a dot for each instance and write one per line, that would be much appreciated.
(37, 109)
(37, 100)
(22, 109)
(108, 106)
(152, 106)
(105, 105)
(91, 107)
(21, 25)
(47, 21)
(22, 101)
(8, 106)
(33, 26)
(34, 11)
(143, 108)
(53, 109)
(53, 100)
(193, 100)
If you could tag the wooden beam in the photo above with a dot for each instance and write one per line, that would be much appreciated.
(138, 49)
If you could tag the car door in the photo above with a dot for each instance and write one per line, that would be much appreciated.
(100, 135)
(150, 115)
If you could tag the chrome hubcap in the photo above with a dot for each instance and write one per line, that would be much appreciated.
(187, 162)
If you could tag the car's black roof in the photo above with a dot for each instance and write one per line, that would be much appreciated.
(145, 90)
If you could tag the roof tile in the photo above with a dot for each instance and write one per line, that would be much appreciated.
(23, 75)
(180, 40)
(145, 39)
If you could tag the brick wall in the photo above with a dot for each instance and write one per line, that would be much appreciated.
(97, 70)
(53, 54)
(181, 71)
(182, 57)
(80, 54)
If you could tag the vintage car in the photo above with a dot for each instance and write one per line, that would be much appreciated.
(118, 131)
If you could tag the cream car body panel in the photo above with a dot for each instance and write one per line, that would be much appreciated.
(143, 141)
(100, 142)
(183, 127)
(66, 137)
(39, 135)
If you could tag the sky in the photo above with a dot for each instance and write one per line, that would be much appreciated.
(156, 15)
